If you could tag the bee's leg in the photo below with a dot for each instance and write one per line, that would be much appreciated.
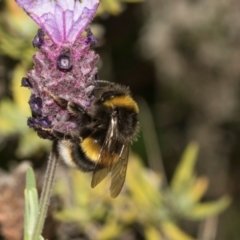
(60, 101)
(76, 109)
(83, 117)
(72, 107)
(55, 133)
(60, 135)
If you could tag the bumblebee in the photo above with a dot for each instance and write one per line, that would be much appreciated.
(106, 130)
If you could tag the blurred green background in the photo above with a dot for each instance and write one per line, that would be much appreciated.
(181, 61)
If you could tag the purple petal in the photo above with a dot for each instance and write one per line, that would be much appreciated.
(35, 105)
(38, 39)
(25, 82)
(90, 38)
(62, 20)
(44, 122)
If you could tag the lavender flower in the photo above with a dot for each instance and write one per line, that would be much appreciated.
(64, 64)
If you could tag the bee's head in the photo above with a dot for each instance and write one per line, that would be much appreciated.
(113, 96)
(109, 94)
(110, 91)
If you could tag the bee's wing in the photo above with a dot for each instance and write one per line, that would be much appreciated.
(107, 155)
(119, 171)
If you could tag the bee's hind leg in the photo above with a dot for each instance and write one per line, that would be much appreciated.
(60, 101)
(61, 136)
(76, 108)
(71, 106)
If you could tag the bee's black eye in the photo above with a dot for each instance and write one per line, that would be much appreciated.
(36, 105)
(64, 62)
(25, 82)
(38, 39)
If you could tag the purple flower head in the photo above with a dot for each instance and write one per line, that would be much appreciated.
(64, 65)
(62, 20)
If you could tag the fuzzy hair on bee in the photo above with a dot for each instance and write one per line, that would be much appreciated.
(106, 130)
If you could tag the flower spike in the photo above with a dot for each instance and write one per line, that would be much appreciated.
(64, 65)
(62, 20)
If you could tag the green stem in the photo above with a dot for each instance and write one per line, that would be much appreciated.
(46, 193)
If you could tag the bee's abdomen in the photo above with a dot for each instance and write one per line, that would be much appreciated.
(72, 155)
(91, 148)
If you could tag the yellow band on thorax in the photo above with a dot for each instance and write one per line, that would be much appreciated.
(122, 101)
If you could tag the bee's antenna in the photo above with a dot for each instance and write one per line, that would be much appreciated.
(104, 81)
(100, 86)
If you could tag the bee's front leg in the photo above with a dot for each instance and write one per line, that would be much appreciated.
(73, 108)
(83, 117)
(76, 109)
(60, 101)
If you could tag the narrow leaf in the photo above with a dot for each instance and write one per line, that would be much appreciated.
(184, 172)
(152, 233)
(198, 189)
(204, 210)
(31, 204)
(30, 179)
(171, 231)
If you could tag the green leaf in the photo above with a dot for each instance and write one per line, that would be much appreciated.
(151, 233)
(184, 172)
(199, 188)
(31, 204)
(203, 210)
(172, 232)
(30, 179)
(111, 230)
(144, 191)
